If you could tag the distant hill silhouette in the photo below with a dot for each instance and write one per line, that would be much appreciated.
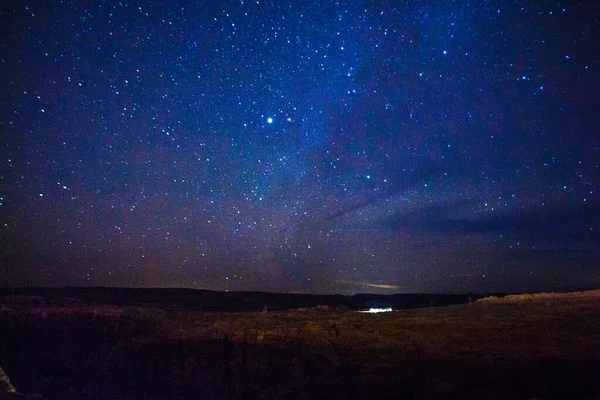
(208, 300)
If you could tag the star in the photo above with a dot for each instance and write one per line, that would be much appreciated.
(395, 129)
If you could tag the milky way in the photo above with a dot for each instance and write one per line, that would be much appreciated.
(288, 146)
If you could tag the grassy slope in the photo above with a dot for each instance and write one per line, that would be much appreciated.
(523, 346)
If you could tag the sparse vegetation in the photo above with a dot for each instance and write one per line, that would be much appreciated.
(574, 296)
(516, 347)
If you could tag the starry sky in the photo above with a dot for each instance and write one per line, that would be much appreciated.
(316, 147)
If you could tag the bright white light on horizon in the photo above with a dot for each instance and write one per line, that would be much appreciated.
(378, 310)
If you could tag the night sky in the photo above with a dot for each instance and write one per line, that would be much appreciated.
(293, 147)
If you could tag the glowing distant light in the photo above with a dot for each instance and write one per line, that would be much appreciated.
(379, 310)
(270, 120)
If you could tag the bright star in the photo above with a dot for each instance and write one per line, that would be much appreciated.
(270, 120)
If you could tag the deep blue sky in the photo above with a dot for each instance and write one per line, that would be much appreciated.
(284, 146)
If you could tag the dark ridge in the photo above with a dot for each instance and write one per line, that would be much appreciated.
(209, 300)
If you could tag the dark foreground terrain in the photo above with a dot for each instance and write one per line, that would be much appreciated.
(542, 346)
